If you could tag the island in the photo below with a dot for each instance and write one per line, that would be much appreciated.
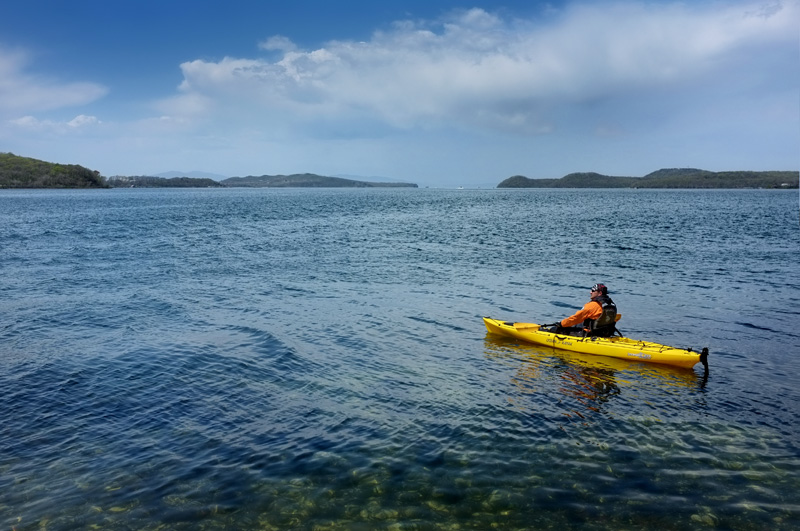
(665, 178)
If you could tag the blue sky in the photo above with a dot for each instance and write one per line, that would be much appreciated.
(441, 93)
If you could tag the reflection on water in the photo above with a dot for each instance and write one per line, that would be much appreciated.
(590, 386)
(585, 384)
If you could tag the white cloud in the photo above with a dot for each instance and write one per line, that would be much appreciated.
(80, 122)
(83, 121)
(278, 43)
(192, 103)
(21, 92)
(477, 70)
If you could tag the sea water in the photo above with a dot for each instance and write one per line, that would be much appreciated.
(315, 359)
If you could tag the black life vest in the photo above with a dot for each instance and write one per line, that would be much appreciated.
(605, 324)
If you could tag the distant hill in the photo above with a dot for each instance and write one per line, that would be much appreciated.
(665, 178)
(369, 179)
(193, 174)
(306, 180)
(573, 180)
(147, 181)
(24, 172)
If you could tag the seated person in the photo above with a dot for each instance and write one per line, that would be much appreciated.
(597, 317)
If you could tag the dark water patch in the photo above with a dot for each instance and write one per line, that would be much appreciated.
(756, 327)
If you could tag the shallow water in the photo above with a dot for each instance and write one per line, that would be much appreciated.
(315, 359)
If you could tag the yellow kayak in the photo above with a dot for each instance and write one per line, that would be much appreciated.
(615, 347)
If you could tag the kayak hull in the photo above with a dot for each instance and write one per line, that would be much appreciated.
(615, 347)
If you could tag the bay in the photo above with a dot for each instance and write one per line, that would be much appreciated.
(315, 359)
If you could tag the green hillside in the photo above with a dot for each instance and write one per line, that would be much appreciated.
(24, 172)
(665, 178)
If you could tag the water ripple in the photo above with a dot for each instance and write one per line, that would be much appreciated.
(270, 359)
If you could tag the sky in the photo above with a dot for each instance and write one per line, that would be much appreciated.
(438, 93)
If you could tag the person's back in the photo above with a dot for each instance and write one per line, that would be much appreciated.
(605, 325)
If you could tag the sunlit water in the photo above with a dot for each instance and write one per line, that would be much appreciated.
(316, 359)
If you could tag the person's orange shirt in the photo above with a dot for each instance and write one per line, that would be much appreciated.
(591, 310)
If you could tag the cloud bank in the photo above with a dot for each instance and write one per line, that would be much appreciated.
(476, 70)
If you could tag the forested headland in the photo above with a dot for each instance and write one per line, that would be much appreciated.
(665, 178)
(24, 172)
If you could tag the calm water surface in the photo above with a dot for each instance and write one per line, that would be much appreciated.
(315, 359)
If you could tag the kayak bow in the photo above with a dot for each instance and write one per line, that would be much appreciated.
(615, 347)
